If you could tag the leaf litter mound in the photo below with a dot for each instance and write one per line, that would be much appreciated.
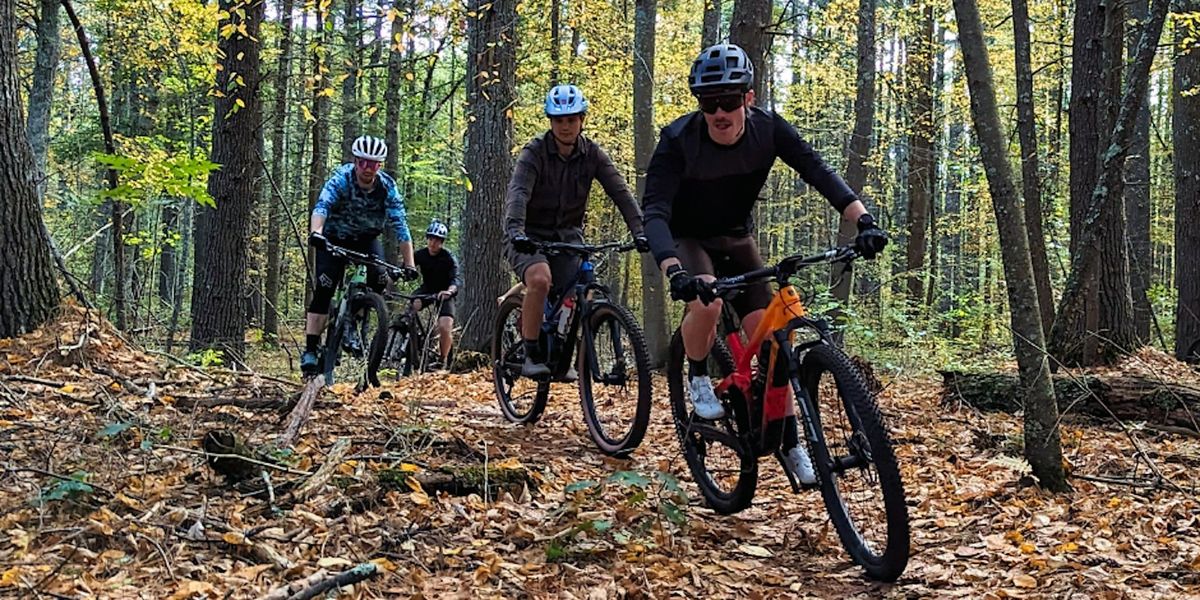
(106, 492)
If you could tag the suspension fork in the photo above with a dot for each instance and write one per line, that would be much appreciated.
(808, 419)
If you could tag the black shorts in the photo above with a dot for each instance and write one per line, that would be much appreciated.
(445, 310)
(727, 256)
(331, 269)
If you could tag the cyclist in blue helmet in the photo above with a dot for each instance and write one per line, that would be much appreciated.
(546, 201)
(701, 187)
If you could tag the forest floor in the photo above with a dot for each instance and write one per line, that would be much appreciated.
(105, 492)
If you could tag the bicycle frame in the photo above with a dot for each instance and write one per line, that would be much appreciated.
(587, 292)
(767, 385)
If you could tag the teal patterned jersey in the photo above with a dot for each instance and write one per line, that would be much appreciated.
(352, 213)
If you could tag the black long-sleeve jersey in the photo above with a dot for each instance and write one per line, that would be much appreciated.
(697, 188)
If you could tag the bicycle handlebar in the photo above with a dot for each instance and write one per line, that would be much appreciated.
(723, 287)
(582, 249)
(364, 259)
(422, 297)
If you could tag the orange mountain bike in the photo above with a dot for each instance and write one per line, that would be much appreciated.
(790, 355)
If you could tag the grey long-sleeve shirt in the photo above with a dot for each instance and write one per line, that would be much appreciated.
(547, 195)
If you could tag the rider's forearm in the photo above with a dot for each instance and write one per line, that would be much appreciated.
(406, 251)
(854, 210)
(317, 223)
(667, 263)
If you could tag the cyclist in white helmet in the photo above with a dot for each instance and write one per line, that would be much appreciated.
(357, 203)
(439, 275)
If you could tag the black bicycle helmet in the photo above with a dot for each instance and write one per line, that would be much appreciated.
(721, 66)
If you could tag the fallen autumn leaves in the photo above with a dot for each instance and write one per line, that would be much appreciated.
(104, 494)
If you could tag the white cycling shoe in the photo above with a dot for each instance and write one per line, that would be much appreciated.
(704, 400)
(800, 465)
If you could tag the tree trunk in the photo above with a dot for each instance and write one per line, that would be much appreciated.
(1042, 448)
(1185, 137)
(1137, 198)
(1106, 202)
(117, 208)
(41, 92)
(351, 35)
(166, 258)
(218, 299)
(555, 40)
(491, 83)
(1031, 182)
(1102, 327)
(391, 122)
(654, 306)
(28, 289)
(921, 153)
(318, 169)
(748, 29)
(712, 23)
(377, 46)
(859, 148)
(276, 197)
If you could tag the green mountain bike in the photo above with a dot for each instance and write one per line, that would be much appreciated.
(357, 330)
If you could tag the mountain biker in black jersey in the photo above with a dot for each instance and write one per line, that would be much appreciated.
(355, 205)
(440, 276)
(701, 186)
(546, 201)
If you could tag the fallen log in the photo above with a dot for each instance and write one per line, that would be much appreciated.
(318, 583)
(1129, 397)
(301, 412)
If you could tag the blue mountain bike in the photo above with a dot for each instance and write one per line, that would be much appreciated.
(612, 365)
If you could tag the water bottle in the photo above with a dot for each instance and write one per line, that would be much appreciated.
(564, 315)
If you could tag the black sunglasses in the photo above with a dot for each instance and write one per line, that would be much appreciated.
(725, 102)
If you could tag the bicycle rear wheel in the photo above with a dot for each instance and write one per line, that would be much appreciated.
(521, 399)
(855, 462)
(725, 471)
(615, 394)
(346, 360)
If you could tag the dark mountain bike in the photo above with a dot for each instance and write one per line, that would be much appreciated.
(358, 323)
(612, 364)
(411, 345)
(790, 364)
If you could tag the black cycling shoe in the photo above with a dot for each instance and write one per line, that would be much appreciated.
(309, 363)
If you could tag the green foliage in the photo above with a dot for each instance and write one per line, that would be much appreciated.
(149, 171)
(74, 488)
(207, 357)
(627, 509)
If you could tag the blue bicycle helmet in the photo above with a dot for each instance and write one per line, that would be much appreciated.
(565, 100)
(721, 66)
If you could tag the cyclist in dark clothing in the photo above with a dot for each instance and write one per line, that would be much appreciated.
(701, 186)
(546, 201)
(355, 206)
(439, 275)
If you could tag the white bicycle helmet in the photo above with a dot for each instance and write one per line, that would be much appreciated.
(437, 229)
(369, 148)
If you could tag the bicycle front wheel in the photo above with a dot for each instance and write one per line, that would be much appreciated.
(855, 462)
(522, 400)
(725, 472)
(395, 352)
(614, 379)
(356, 340)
